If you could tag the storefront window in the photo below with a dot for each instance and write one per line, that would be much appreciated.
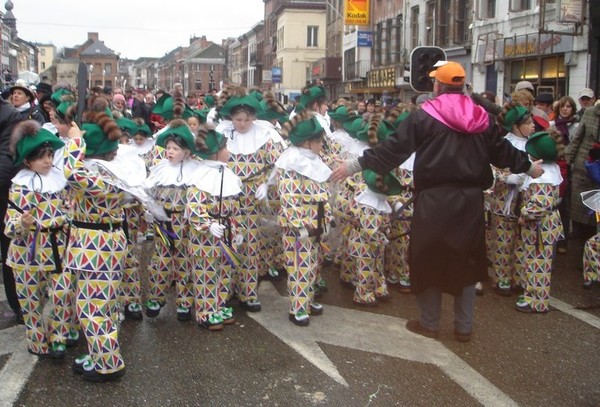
(531, 69)
(553, 67)
(516, 71)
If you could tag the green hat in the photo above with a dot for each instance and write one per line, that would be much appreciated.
(164, 108)
(30, 142)
(256, 95)
(389, 180)
(127, 125)
(514, 116)
(339, 114)
(354, 125)
(305, 130)
(209, 100)
(201, 114)
(384, 130)
(236, 101)
(182, 131)
(314, 93)
(214, 142)
(62, 109)
(267, 112)
(57, 97)
(541, 145)
(96, 141)
(145, 130)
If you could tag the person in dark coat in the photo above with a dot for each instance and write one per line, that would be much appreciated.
(455, 142)
(23, 100)
(9, 117)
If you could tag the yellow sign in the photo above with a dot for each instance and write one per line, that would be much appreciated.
(356, 12)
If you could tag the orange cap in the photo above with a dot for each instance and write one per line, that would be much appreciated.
(451, 73)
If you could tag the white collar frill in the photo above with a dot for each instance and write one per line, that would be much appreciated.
(305, 162)
(517, 141)
(251, 141)
(127, 169)
(550, 176)
(166, 174)
(374, 200)
(355, 147)
(49, 183)
(207, 177)
(144, 148)
(409, 164)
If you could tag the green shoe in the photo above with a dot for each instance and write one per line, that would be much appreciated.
(72, 338)
(57, 350)
(213, 323)
(152, 308)
(226, 315)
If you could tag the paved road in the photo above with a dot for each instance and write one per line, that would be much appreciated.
(347, 357)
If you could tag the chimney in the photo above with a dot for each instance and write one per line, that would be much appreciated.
(93, 36)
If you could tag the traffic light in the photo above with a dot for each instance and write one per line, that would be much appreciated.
(422, 60)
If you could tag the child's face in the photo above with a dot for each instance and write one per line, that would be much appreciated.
(315, 145)
(242, 121)
(525, 129)
(139, 139)
(223, 155)
(42, 165)
(194, 124)
(63, 128)
(124, 139)
(176, 154)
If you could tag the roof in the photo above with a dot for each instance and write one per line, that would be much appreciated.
(97, 48)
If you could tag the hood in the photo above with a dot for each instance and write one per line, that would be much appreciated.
(458, 112)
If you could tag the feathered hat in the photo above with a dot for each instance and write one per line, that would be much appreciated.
(172, 106)
(102, 133)
(179, 131)
(302, 127)
(27, 137)
(271, 109)
(209, 142)
(233, 98)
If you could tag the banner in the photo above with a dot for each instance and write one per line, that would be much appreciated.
(356, 12)
(276, 74)
(570, 11)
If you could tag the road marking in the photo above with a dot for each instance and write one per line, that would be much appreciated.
(368, 332)
(576, 313)
(20, 364)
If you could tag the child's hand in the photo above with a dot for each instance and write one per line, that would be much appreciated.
(27, 220)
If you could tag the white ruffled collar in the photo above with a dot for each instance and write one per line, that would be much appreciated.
(355, 147)
(550, 176)
(145, 147)
(374, 200)
(167, 174)
(251, 141)
(207, 177)
(305, 162)
(49, 183)
(341, 137)
(126, 169)
(517, 141)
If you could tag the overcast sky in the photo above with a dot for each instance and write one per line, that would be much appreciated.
(134, 28)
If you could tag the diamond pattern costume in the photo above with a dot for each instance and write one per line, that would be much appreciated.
(35, 256)
(96, 251)
(542, 229)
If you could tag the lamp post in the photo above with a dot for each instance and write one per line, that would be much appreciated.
(103, 74)
(90, 78)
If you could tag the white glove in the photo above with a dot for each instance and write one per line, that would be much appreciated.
(514, 179)
(398, 206)
(302, 233)
(262, 192)
(217, 230)
(148, 217)
(237, 240)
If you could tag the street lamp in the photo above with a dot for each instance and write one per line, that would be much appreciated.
(103, 73)
(90, 78)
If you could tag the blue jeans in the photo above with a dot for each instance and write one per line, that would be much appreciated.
(430, 306)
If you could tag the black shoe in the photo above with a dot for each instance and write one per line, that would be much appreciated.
(316, 309)
(57, 350)
(370, 304)
(19, 317)
(152, 308)
(133, 311)
(251, 305)
(95, 377)
(184, 314)
(82, 363)
(72, 338)
(415, 326)
(300, 319)
(466, 337)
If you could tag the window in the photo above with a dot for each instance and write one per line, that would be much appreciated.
(377, 45)
(443, 19)
(280, 38)
(396, 39)
(43, 65)
(350, 64)
(414, 27)
(312, 36)
(108, 69)
(43, 52)
(520, 5)
(487, 8)
(429, 16)
(461, 32)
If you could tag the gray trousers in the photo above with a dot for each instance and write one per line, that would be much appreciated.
(430, 306)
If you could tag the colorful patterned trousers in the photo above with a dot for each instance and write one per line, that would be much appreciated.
(301, 266)
(245, 278)
(370, 278)
(538, 265)
(591, 259)
(210, 277)
(31, 285)
(506, 233)
(96, 305)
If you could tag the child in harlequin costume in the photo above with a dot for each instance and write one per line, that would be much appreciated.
(211, 197)
(36, 222)
(271, 115)
(540, 221)
(305, 213)
(167, 183)
(254, 150)
(97, 244)
(142, 142)
(371, 213)
(505, 204)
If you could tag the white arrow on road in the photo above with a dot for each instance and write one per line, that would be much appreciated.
(19, 366)
(370, 333)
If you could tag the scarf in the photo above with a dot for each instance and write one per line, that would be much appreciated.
(562, 125)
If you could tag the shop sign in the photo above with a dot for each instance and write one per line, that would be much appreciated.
(536, 44)
(365, 39)
(382, 78)
(276, 74)
(569, 11)
(356, 12)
